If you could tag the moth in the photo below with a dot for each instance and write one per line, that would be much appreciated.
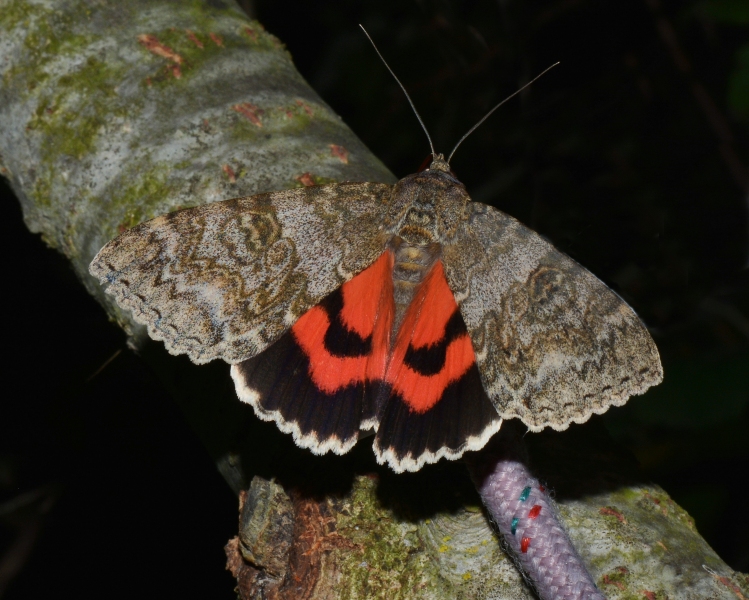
(406, 310)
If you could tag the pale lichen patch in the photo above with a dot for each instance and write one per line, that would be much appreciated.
(70, 113)
(142, 198)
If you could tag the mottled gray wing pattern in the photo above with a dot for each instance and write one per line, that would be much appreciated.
(553, 343)
(225, 280)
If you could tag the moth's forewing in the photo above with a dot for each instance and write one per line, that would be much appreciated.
(553, 343)
(225, 280)
(538, 336)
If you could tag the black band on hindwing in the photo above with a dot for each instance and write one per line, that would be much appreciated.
(429, 360)
(463, 412)
(339, 340)
(280, 376)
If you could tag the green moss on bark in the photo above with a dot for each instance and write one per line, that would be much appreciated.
(388, 559)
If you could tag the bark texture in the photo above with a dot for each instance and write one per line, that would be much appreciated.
(112, 113)
(425, 535)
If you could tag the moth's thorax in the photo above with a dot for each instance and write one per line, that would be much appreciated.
(411, 265)
(427, 207)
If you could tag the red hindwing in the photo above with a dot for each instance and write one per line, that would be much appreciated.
(336, 370)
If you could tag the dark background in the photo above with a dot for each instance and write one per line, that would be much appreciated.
(630, 156)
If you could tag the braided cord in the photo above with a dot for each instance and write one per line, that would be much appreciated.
(529, 523)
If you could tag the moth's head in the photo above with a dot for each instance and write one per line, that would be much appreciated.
(440, 164)
(428, 206)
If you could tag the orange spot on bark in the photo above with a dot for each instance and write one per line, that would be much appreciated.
(229, 173)
(606, 510)
(657, 502)
(339, 152)
(608, 581)
(306, 108)
(730, 585)
(306, 179)
(251, 33)
(194, 39)
(176, 71)
(152, 44)
(216, 39)
(250, 111)
(648, 594)
(727, 582)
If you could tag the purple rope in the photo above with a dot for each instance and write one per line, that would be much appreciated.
(528, 521)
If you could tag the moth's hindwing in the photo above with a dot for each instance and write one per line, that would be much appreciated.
(227, 279)
(316, 380)
(335, 371)
(434, 403)
(553, 344)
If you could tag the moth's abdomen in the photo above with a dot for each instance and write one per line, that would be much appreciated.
(411, 265)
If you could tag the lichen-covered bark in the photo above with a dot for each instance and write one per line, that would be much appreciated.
(112, 113)
(116, 112)
(365, 543)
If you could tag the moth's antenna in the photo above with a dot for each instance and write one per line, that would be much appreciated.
(416, 112)
(487, 115)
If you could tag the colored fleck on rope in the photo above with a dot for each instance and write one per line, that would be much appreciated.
(541, 547)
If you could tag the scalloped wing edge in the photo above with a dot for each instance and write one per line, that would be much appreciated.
(411, 464)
